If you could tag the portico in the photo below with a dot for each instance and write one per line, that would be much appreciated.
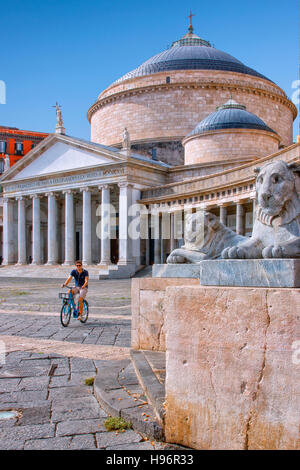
(81, 210)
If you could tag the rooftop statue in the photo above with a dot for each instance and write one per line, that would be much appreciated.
(204, 238)
(276, 231)
(126, 139)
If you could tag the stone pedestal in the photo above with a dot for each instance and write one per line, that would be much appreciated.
(148, 297)
(232, 367)
(250, 272)
(176, 271)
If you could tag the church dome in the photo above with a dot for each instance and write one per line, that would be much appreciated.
(231, 115)
(162, 100)
(229, 134)
(190, 53)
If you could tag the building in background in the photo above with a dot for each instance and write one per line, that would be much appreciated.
(183, 131)
(16, 143)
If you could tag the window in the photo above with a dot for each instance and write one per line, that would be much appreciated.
(154, 155)
(168, 79)
(2, 146)
(19, 148)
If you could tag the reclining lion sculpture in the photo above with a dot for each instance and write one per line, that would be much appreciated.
(276, 231)
(204, 238)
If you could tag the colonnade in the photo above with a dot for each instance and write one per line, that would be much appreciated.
(17, 250)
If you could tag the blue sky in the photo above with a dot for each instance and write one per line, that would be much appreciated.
(69, 51)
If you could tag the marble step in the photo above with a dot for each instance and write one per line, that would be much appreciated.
(151, 378)
(119, 392)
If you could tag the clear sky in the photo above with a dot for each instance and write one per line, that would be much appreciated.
(70, 50)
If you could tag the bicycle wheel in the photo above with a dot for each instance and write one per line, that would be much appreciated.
(65, 314)
(85, 312)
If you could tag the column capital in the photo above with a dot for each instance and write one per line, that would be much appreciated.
(51, 193)
(20, 198)
(125, 184)
(35, 196)
(103, 186)
(68, 191)
(86, 189)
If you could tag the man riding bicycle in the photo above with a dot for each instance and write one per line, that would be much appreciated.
(81, 277)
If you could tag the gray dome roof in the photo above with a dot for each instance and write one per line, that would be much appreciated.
(191, 53)
(230, 116)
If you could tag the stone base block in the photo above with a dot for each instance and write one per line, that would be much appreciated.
(176, 270)
(148, 297)
(250, 272)
(232, 366)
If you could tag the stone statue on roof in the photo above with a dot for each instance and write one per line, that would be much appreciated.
(126, 139)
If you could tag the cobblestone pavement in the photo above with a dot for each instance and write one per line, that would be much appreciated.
(46, 365)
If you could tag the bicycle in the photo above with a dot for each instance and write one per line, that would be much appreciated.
(68, 308)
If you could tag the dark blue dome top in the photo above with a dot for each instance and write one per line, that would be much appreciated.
(230, 116)
(191, 53)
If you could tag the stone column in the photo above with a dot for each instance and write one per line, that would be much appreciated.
(105, 225)
(36, 229)
(223, 215)
(69, 228)
(86, 226)
(136, 242)
(52, 229)
(8, 236)
(155, 233)
(240, 219)
(172, 237)
(21, 230)
(125, 241)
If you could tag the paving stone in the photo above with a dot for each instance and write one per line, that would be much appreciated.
(60, 381)
(84, 442)
(26, 396)
(34, 383)
(35, 415)
(146, 445)
(77, 408)
(111, 438)
(64, 393)
(9, 385)
(53, 443)
(87, 426)
(27, 432)
(85, 365)
(12, 444)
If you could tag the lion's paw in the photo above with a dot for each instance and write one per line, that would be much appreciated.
(272, 252)
(173, 259)
(236, 252)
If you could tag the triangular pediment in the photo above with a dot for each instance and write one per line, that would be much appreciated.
(59, 155)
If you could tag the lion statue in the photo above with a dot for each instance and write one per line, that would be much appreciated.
(204, 238)
(276, 231)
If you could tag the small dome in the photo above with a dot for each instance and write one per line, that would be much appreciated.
(230, 115)
(191, 53)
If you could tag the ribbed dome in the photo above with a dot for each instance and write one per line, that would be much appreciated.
(191, 53)
(231, 115)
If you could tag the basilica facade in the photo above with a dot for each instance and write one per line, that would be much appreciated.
(197, 123)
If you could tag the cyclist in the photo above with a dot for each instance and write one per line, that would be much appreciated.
(81, 277)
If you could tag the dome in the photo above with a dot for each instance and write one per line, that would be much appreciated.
(191, 53)
(231, 115)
